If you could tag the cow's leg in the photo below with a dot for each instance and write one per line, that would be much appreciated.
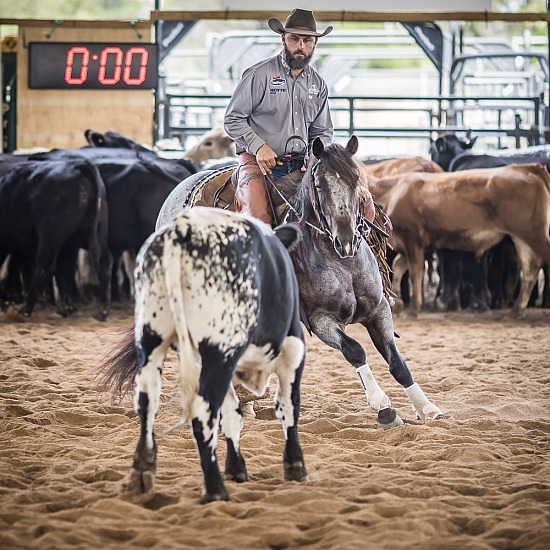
(104, 266)
(332, 334)
(400, 268)
(151, 353)
(288, 369)
(44, 268)
(65, 280)
(415, 259)
(232, 424)
(546, 289)
(380, 329)
(215, 377)
(530, 266)
(154, 332)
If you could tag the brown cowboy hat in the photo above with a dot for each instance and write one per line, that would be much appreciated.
(298, 22)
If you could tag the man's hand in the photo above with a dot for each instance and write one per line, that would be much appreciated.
(266, 159)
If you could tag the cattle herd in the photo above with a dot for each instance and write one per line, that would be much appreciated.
(480, 222)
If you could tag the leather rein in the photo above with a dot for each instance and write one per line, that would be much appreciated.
(362, 224)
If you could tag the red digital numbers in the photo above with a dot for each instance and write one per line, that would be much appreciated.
(85, 52)
(142, 66)
(115, 71)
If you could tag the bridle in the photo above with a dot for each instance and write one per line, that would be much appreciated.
(323, 228)
(362, 224)
(322, 219)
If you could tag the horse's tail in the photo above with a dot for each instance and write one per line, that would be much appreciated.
(119, 366)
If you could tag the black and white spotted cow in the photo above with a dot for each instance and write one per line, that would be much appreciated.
(221, 288)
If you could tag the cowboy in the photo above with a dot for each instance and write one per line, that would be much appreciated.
(277, 99)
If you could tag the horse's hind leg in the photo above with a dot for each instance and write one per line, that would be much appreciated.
(334, 336)
(380, 329)
(232, 424)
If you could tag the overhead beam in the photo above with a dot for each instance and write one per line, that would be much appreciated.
(353, 16)
(78, 23)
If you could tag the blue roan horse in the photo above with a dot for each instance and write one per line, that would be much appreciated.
(338, 275)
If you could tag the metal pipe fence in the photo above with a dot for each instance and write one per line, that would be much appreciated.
(517, 118)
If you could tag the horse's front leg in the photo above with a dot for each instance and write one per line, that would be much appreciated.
(333, 335)
(380, 328)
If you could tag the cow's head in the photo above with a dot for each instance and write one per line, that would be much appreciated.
(446, 148)
(215, 144)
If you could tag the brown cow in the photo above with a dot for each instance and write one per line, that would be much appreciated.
(215, 144)
(382, 178)
(392, 167)
(473, 210)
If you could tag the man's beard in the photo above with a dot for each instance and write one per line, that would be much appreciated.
(297, 63)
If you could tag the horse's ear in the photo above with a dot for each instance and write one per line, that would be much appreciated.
(353, 145)
(317, 148)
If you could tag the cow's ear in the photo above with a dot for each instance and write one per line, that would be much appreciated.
(471, 143)
(289, 234)
(317, 147)
(353, 145)
(441, 145)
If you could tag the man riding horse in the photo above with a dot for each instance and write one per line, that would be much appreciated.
(278, 108)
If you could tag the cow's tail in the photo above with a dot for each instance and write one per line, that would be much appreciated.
(98, 234)
(189, 357)
(119, 366)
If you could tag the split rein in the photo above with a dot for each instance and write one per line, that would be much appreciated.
(362, 227)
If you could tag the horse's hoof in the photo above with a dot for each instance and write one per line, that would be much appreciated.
(388, 418)
(430, 412)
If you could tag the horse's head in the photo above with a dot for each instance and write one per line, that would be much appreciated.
(333, 192)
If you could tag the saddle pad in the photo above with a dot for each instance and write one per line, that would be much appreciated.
(214, 190)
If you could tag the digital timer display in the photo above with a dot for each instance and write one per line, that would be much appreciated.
(92, 65)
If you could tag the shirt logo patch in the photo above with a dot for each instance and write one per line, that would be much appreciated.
(313, 90)
(277, 81)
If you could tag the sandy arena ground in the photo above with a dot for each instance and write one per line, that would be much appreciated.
(478, 479)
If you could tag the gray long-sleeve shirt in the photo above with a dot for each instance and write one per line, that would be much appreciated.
(269, 105)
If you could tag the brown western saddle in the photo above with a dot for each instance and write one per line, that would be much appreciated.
(217, 189)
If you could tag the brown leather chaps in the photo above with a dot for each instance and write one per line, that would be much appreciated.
(251, 193)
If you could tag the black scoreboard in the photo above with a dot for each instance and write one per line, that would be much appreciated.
(93, 65)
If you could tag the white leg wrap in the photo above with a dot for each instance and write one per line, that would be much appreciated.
(424, 409)
(376, 397)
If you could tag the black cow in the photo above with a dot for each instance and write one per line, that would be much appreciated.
(48, 211)
(453, 154)
(137, 184)
(136, 191)
(113, 139)
(176, 168)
